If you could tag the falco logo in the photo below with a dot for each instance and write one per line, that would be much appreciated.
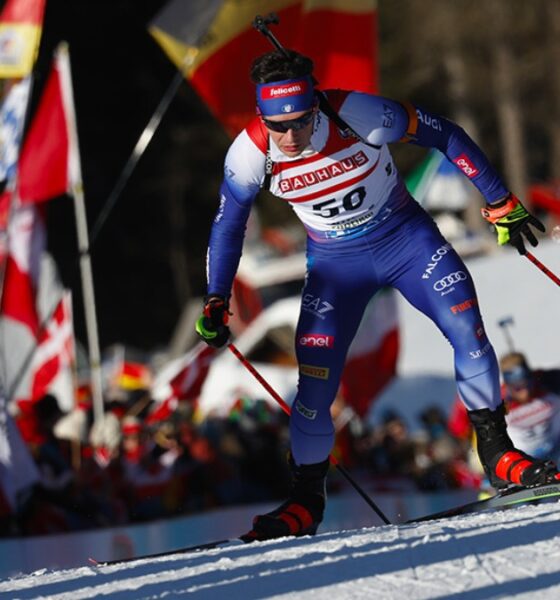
(316, 340)
(283, 91)
(436, 257)
(465, 164)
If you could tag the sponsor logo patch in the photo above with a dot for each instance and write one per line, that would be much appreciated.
(436, 257)
(314, 371)
(480, 352)
(305, 412)
(221, 209)
(465, 164)
(316, 305)
(316, 340)
(333, 170)
(463, 306)
(428, 121)
(283, 91)
(388, 116)
(449, 280)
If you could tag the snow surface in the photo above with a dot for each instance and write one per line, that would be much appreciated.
(495, 554)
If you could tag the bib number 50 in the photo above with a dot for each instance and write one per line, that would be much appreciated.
(351, 201)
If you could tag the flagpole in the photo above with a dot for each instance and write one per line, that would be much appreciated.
(77, 190)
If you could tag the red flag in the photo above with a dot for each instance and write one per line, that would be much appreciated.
(20, 31)
(26, 242)
(49, 161)
(132, 376)
(371, 362)
(339, 35)
(55, 351)
(181, 381)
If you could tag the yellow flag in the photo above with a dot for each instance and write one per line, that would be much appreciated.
(21, 23)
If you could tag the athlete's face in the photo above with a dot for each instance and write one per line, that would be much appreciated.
(291, 133)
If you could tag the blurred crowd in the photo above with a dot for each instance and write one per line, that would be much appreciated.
(133, 467)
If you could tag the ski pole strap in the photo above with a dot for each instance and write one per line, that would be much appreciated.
(346, 130)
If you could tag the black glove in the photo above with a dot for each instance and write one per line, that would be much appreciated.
(511, 220)
(211, 326)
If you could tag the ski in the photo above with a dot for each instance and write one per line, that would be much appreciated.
(507, 499)
(186, 550)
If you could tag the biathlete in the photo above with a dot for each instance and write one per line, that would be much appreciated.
(325, 152)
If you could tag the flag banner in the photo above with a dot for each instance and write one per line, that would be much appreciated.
(12, 116)
(17, 469)
(181, 381)
(21, 23)
(340, 36)
(55, 351)
(49, 163)
(26, 243)
(371, 362)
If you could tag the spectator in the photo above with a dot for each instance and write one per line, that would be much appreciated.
(532, 399)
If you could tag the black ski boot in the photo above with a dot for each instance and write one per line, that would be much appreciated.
(504, 465)
(302, 513)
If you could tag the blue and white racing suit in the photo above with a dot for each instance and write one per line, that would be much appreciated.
(365, 231)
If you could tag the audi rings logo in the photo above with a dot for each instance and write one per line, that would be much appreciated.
(449, 280)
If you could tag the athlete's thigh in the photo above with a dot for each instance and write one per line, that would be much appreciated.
(438, 283)
(333, 302)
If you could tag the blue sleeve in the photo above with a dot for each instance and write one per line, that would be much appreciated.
(437, 132)
(226, 238)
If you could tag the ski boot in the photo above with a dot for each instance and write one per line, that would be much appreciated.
(505, 466)
(302, 513)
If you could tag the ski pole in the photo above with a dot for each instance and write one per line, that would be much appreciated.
(544, 269)
(287, 410)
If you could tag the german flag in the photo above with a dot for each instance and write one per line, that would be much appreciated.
(21, 23)
(215, 45)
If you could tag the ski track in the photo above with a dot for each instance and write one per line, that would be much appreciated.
(509, 554)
